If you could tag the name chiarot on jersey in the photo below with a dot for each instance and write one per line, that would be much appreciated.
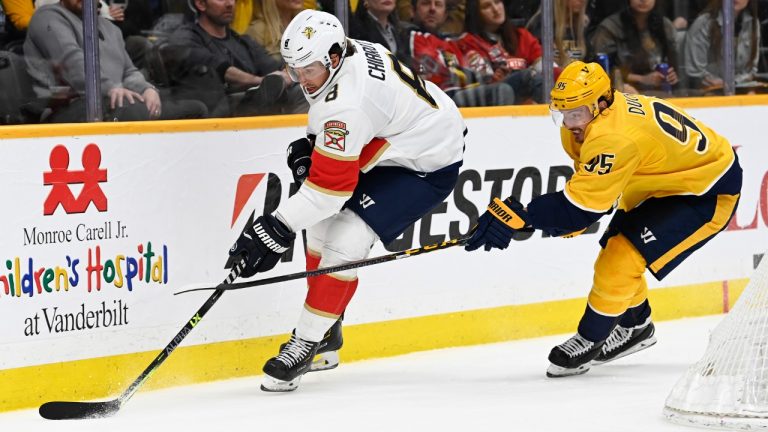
(376, 69)
(375, 62)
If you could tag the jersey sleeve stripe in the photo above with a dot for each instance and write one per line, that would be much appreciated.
(335, 156)
(581, 206)
(333, 174)
(372, 152)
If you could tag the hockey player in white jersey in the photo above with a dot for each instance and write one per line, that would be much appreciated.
(384, 148)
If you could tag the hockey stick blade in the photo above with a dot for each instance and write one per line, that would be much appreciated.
(78, 410)
(59, 410)
(341, 267)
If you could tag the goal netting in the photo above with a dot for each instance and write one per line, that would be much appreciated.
(728, 387)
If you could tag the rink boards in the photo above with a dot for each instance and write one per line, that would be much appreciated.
(103, 223)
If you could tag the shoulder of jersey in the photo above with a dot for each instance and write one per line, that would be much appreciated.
(336, 104)
(609, 133)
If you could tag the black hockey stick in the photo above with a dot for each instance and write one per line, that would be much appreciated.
(341, 267)
(79, 410)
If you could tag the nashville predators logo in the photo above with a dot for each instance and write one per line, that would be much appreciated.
(308, 32)
(335, 134)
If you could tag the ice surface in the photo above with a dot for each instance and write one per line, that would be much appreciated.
(500, 386)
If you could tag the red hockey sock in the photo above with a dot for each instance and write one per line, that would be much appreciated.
(313, 260)
(329, 296)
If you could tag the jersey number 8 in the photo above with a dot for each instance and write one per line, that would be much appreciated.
(412, 80)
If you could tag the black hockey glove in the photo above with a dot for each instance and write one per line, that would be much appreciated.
(496, 226)
(261, 245)
(300, 158)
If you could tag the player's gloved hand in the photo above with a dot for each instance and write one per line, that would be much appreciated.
(261, 245)
(300, 158)
(495, 227)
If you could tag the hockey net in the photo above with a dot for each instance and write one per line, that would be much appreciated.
(728, 387)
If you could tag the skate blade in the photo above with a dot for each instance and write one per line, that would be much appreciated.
(555, 371)
(274, 385)
(651, 341)
(325, 361)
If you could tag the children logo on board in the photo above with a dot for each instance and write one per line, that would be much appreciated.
(61, 177)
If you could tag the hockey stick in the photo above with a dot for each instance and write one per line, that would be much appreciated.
(341, 267)
(58, 410)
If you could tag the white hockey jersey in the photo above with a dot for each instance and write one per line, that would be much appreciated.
(375, 112)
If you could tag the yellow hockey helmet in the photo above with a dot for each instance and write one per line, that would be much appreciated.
(580, 84)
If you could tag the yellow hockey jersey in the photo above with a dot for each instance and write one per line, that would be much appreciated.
(643, 147)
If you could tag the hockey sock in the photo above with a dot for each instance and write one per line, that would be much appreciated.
(636, 315)
(313, 260)
(312, 327)
(595, 326)
(329, 295)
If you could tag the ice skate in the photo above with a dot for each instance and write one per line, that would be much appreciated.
(572, 357)
(327, 356)
(624, 341)
(328, 352)
(283, 373)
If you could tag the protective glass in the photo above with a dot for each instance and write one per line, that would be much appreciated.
(309, 72)
(572, 117)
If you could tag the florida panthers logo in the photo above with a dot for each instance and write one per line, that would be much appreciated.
(335, 134)
(308, 32)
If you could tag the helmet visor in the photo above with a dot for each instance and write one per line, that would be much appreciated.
(575, 117)
(309, 72)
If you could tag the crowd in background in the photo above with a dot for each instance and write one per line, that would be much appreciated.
(172, 59)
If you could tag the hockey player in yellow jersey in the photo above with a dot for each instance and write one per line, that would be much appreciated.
(673, 183)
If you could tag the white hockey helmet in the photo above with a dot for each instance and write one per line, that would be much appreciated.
(311, 37)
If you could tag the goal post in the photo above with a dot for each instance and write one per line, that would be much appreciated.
(728, 387)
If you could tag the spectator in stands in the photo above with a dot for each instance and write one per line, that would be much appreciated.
(570, 22)
(208, 59)
(135, 19)
(454, 21)
(439, 60)
(323, 5)
(499, 51)
(267, 28)
(703, 56)
(376, 21)
(19, 13)
(244, 13)
(55, 59)
(637, 39)
(682, 12)
(111, 11)
(598, 10)
(521, 11)
(139, 16)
